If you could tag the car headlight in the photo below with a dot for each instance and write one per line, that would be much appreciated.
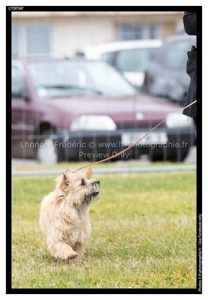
(93, 122)
(174, 120)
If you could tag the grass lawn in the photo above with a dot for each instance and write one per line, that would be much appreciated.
(143, 235)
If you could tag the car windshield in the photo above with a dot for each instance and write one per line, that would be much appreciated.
(131, 60)
(63, 78)
(173, 54)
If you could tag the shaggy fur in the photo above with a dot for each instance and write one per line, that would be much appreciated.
(64, 214)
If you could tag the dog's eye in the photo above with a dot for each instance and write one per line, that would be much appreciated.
(83, 182)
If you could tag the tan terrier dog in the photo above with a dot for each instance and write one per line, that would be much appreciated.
(64, 214)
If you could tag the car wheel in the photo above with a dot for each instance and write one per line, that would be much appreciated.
(47, 153)
(176, 155)
(179, 156)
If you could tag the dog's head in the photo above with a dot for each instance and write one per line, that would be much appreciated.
(78, 187)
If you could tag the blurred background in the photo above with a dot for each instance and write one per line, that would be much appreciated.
(62, 33)
(87, 84)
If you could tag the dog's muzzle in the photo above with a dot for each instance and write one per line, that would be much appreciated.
(94, 195)
(96, 184)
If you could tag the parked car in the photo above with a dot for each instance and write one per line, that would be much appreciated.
(76, 109)
(128, 57)
(166, 72)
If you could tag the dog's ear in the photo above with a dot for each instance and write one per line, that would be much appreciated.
(65, 177)
(62, 180)
(89, 172)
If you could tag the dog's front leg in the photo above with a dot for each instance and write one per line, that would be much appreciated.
(60, 249)
(80, 249)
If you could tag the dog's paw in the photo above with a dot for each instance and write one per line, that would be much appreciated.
(72, 256)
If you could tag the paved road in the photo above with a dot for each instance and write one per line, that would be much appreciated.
(190, 159)
(120, 170)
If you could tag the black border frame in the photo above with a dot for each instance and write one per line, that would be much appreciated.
(9, 289)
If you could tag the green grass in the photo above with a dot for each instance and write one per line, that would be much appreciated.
(143, 235)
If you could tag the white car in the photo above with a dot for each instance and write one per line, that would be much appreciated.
(128, 57)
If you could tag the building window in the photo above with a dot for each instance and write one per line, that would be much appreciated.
(15, 39)
(137, 31)
(38, 39)
(31, 39)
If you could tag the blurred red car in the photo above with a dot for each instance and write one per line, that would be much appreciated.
(77, 109)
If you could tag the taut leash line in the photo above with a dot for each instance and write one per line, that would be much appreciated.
(136, 142)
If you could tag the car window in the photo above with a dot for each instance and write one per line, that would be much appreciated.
(133, 60)
(108, 57)
(62, 78)
(18, 83)
(176, 55)
(173, 54)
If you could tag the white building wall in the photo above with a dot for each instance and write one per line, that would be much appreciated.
(69, 31)
(72, 33)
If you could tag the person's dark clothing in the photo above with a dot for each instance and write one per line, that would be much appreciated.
(190, 22)
(190, 26)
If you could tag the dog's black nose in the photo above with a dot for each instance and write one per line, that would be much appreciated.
(96, 182)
